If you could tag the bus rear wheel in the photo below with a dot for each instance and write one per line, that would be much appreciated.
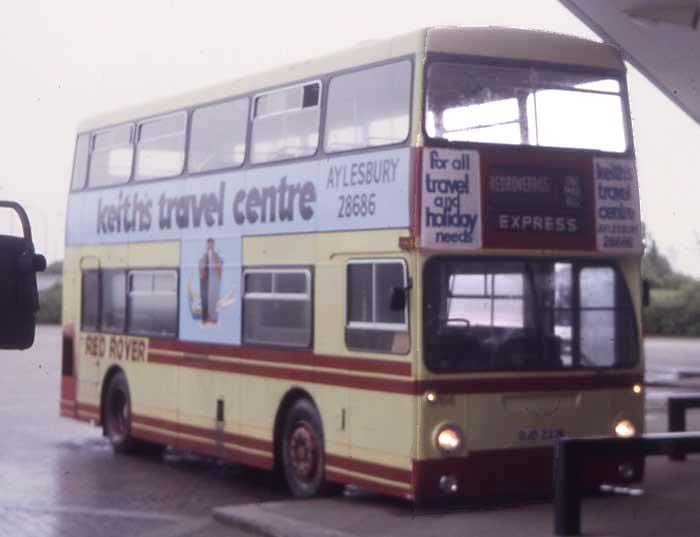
(303, 454)
(117, 415)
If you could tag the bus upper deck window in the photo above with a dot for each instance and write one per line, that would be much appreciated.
(111, 156)
(218, 136)
(369, 108)
(286, 123)
(161, 147)
(523, 105)
(311, 95)
(80, 162)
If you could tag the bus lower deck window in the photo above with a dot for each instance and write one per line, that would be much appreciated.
(277, 306)
(152, 302)
(372, 324)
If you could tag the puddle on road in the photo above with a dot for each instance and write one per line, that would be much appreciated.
(86, 444)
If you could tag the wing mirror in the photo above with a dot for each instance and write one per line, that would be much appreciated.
(399, 297)
(19, 298)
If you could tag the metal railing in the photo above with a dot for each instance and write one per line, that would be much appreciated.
(677, 406)
(569, 454)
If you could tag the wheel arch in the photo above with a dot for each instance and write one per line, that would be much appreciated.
(292, 396)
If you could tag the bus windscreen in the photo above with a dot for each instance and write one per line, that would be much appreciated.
(526, 315)
(524, 105)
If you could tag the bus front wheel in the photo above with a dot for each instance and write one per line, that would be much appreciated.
(303, 455)
(117, 415)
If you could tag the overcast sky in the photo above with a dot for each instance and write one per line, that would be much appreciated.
(64, 61)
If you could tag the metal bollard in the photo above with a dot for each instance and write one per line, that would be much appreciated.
(570, 454)
(676, 423)
(568, 474)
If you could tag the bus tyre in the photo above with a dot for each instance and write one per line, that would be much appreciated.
(117, 415)
(303, 455)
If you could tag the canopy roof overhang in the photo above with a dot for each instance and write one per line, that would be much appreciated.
(661, 38)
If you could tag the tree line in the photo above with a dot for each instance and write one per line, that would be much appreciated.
(675, 297)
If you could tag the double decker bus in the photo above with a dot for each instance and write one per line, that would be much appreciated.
(410, 266)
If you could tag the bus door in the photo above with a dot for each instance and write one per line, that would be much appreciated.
(91, 348)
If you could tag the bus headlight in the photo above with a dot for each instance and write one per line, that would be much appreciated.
(449, 439)
(431, 396)
(625, 429)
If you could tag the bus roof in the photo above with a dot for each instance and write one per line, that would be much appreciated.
(485, 41)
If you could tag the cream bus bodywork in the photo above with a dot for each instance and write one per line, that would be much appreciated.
(379, 424)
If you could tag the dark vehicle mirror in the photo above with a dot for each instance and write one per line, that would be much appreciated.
(398, 299)
(646, 293)
(19, 298)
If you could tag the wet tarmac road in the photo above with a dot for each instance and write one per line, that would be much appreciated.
(59, 477)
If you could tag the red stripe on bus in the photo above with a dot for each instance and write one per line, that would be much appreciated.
(69, 388)
(151, 436)
(529, 384)
(210, 434)
(452, 386)
(252, 459)
(203, 448)
(286, 356)
(369, 468)
(231, 454)
(209, 447)
(380, 488)
(87, 407)
(285, 373)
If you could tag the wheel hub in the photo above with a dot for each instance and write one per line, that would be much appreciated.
(303, 447)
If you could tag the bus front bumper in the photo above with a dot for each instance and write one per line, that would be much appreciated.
(522, 473)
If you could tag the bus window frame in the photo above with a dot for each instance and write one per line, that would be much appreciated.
(577, 264)
(377, 327)
(125, 272)
(411, 134)
(191, 111)
(412, 77)
(96, 132)
(137, 139)
(87, 161)
(153, 335)
(98, 325)
(317, 153)
(280, 89)
(250, 95)
(310, 274)
(619, 75)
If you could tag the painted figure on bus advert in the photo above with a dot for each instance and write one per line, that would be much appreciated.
(210, 268)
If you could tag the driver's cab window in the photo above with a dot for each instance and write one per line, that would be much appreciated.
(598, 316)
(492, 300)
(558, 299)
